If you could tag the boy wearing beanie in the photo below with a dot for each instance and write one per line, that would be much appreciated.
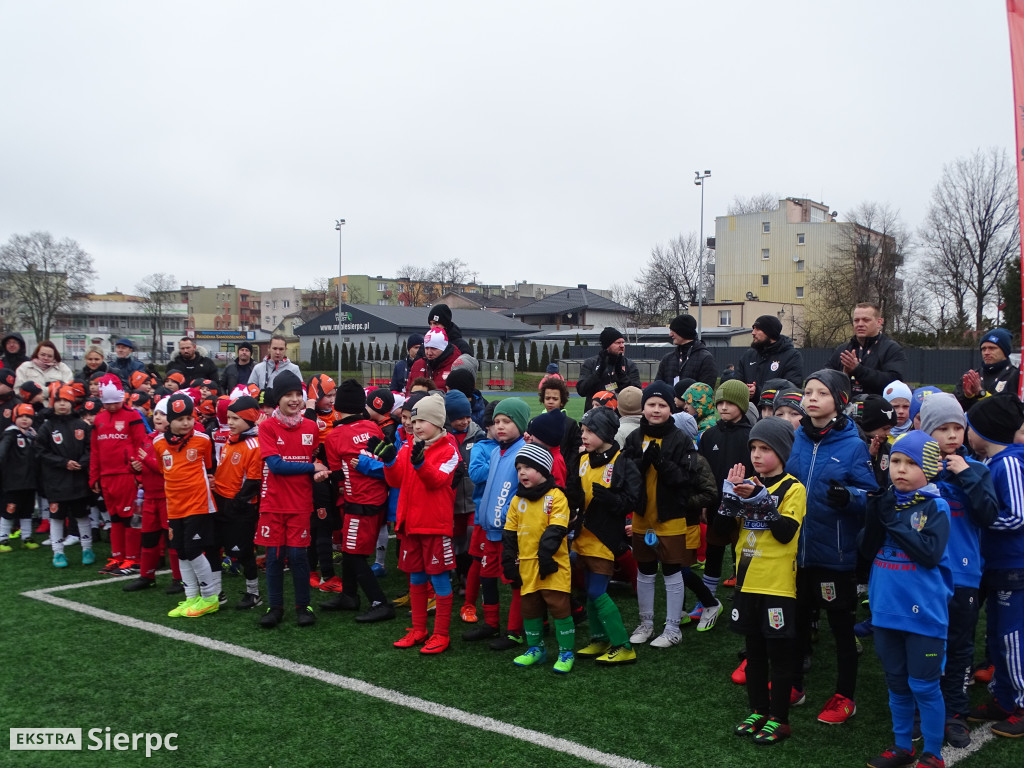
(967, 488)
(510, 419)
(876, 416)
(535, 557)
(547, 431)
(992, 425)
(905, 532)
(324, 517)
(832, 462)
(479, 468)
(629, 413)
(676, 484)
(899, 396)
(771, 506)
(788, 404)
(466, 434)
(723, 445)
(601, 495)
(425, 470)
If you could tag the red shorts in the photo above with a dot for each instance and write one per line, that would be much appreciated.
(154, 515)
(478, 542)
(426, 553)
(119, 492)
(490, 565)
(279, 529)
(359, 533)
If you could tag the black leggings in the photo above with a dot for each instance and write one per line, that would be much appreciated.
(772, 657)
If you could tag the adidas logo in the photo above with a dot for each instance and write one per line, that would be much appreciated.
(234, 548)
(715, 448)
(197, 537)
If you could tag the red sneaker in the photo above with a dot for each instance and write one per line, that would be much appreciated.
(410, 639)
(333, 584)
(113, 567)
(436, 644)
(314, 579)
(730, 582)
(739, 675)
(984, 674)
(838, 710)
(468, 614)
(44, 526)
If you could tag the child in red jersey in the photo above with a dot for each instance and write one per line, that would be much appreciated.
(288, 442)
(117, 436)
(185, 456)
(364, 502)
(324, 520)
(424, 469)
(236, 490)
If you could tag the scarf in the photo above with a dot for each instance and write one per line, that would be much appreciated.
(176, 440)
(817, 434)
(289, 421)
(43, 366)
(902, 430)
(906, 499)
(600, 458)
(988, 370)
(656, 430)
(537, 491)
(251, 432)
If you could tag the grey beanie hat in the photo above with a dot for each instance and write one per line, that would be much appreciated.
(603, 422)
(776, 433)
(941, 408)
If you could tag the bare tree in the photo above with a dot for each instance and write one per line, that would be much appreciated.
(44, 276)
(972, 228)
(326, 294)
(647, 306)
(450, 274)
(765, 201)
(159, 292)
(671, 278)
(418, 285)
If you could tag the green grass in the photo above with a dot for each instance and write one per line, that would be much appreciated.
(68, 669)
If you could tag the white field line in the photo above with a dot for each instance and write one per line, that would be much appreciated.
(358, 686)
(980, 736)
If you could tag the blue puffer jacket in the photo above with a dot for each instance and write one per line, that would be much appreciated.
(828, 536)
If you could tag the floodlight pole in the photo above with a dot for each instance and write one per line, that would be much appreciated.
(338, 224)
(699, 181)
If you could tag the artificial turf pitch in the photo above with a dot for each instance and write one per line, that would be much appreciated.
(673, 707)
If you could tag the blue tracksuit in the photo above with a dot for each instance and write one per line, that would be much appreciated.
(502, 481)
(480, 467)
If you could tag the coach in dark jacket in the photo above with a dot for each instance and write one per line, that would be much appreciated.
(771, 356)
(609, 367)
(997, 375)
(690, 359)
(239, 371)
(192, 364)
(871, 359)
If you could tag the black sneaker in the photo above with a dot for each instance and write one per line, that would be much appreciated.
(223, 598)
(341, 602)
(893, 757)
(507, 643)
(175, 587)
(249, 600)
(304, 616)
(987, 712)
(272, 617)
(1012, 727)
(957, 733)
(138, 585)
(379, 612)
(483, 632)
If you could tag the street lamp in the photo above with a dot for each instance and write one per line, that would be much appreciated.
(699, 181)
(338, 224)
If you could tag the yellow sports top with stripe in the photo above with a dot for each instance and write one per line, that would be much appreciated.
(586, 543)
(529, 519)
(765, 566)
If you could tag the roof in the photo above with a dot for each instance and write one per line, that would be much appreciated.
(489, 300)
(572, 300)
(473, 322)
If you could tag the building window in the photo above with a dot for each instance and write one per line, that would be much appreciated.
(766, 227)
(800, 238)
(725, 317)
(765, 255)
(381, 287)
(764, 279)
(799, 265)
(799, 291)
(286, 303)
(382, 302)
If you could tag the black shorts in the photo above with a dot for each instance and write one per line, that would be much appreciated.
(190, 536)
(325, 519)
(19, 504)
(62, 510)
(827, 589)
(765, 615)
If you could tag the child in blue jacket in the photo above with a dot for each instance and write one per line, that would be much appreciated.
(479, 468)
(906, 530)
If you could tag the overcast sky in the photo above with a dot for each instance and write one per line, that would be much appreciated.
(546, 141)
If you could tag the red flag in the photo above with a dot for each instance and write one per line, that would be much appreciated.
(1015, 17)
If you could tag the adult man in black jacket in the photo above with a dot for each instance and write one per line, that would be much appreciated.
(690, 359)
(997, 375)
(771, 356)
(871, 359)
(239, 371)
(609, 366)
(191, 364)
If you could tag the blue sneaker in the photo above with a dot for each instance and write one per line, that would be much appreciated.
(565, 662)
(88, 558)
(534, 655)
(695, 614)
(59, 561)
(379, 570)
(864, 628)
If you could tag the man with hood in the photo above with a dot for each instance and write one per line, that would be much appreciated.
(771, 356)
(13, 351)
(690, 359)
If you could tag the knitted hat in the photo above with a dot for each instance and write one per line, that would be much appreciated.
(602, 422)
(178, 405)
(92, 405)
(630, 401)
(349, 397)
(684, 326)
(837, 383)
(733, 391)
(874, 412)
(7, 376)
(440, 313)
(605, 398)
(246, 408)
(414, 340)
(552, 368)
(921, 449)
(609, 336)
(380, 400)
(411, 400)
(319, 386)
(535, 456)
(1000, 337)
(456, 405)
(286, 382)
(161, 405)
(66, 392)
(996, 419)
(244, 345)
(701, 398)
(769, 390)
(139, 399)
(207, 406)
(436, 338)
(30, 389)
(137, 379)
(897, 389)
(687, 424)
(661, 390)
(682, 385)
(125, 343)
(769, 325)
(111, 389)
(430, 409)
(515, 409)
(399, 403)
(23, 409)
(549, 427)
(791, 397)
(941, 408)
(466, 362)
(177, 377)
(776, 433)
(918, 398)
(461, 379)
(489, 413)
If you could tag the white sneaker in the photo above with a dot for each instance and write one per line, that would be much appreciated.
(668, 638)
(46, 542)
(642, 633)
(106, 526)
(70, 541)
(709, 616)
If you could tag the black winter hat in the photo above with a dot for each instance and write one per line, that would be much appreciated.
(286, 382)
(685, 326)
(549, 427)
(440, 313)
(838, 384)
(350, 398)
(462, 379)
(873, 412)
(770, 325)
(658, 389)
(682, 385)
(379, 400)
(7, 377)
(603, 422)
(414, 340)
(609, 336)
(178, 405)
(996, 419)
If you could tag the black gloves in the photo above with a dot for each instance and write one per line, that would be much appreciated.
(603, 495)
(382, 449)
(419, 450)
(511, 572)
(652, 456)
(546, 566)
(837, 495)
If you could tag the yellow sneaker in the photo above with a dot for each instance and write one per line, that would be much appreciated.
(203, 605)
(596, 648)
(183, 606)
(622, 654)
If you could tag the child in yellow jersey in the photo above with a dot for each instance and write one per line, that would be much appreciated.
(601, 494)
(771, 506)
(535, 529)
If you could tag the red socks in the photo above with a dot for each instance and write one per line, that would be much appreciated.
(418, 603)
(515, 614)
(442, 614)
(117, 540)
